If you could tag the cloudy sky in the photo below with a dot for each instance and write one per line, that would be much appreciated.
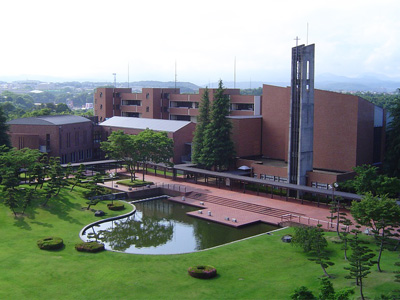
(90, 40)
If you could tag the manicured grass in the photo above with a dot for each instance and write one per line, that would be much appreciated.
(134, 183)
(258, 268)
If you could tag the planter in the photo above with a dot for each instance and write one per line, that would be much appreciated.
(116, 206)
(202, 272)
(50, 243)
(91, 247)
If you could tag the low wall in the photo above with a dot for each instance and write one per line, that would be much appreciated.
(153, 192)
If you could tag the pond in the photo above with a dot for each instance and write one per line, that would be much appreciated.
(163, 227)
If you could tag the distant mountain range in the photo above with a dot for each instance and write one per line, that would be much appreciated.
(330, 82)
(326, 81)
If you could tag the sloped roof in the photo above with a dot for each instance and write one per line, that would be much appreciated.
(49, 120)
(143, 123)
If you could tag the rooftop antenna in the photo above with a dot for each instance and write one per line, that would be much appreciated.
(176, 76)
(234, 74)
(115, 79)
(307, 34)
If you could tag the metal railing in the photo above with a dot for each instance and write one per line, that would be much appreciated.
(311, 221)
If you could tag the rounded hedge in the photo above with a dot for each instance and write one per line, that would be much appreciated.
(50, 243)
(91, 247)
(116, 206)
(202, 272)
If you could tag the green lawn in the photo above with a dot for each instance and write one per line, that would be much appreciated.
(134, 183)
(258, 268)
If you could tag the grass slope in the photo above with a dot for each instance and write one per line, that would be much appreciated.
(258, 268)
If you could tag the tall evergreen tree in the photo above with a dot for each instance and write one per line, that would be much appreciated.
(392, 155)
(202, 121)
(218, 146)
(4, 138)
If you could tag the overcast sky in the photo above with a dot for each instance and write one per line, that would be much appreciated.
(90, 40)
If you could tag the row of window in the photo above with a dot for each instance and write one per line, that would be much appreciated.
(320, 185)
(271, 177)
(76, 138)
(76, 156)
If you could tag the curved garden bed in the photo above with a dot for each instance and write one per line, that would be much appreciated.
(202, 272)
(50, 243)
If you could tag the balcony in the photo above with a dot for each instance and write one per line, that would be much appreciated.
(131, 103)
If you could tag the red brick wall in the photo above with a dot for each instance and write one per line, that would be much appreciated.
(57, 149)
(246, 136)
(365, 132)
(275, 109)
(335, 131)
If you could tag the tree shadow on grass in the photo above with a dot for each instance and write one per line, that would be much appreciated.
(61, 206)
(43, 224)
(21, 223)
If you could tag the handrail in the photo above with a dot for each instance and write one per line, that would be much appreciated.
(299, 218)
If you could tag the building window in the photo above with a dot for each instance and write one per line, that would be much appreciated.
(101, 94)
(68, 139)
(84, 137)
(147, 95)
(77, 138)
(147, 109)
(47, 141)
(97, 137)
(101, 106)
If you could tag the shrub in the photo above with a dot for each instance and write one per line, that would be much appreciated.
(50, 243)
(115, 206)
(202, 272)
(91, 247)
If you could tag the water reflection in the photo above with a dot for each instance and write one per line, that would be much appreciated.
(163, 227)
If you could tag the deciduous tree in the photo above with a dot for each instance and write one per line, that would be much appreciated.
(121, 146)
(382, 214)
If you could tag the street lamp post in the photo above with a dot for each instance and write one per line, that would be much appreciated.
(334, 186)
(112, 186)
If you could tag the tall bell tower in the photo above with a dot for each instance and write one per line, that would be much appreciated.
(301, 127)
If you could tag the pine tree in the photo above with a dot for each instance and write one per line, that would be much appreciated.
(392, 155)
(318, 250)
(4, 138)
(344, 236)
(202, 121)
(218, 146)
(360, 262)
(312, 240)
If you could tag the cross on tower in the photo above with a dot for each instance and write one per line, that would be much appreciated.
(297, 40)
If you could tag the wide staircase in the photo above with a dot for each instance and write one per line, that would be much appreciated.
(251, 207)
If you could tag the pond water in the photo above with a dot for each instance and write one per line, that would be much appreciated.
(163, 227)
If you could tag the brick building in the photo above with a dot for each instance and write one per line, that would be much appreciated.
(181, 132)
(167, 104)
(67, 137)
(348, 130)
